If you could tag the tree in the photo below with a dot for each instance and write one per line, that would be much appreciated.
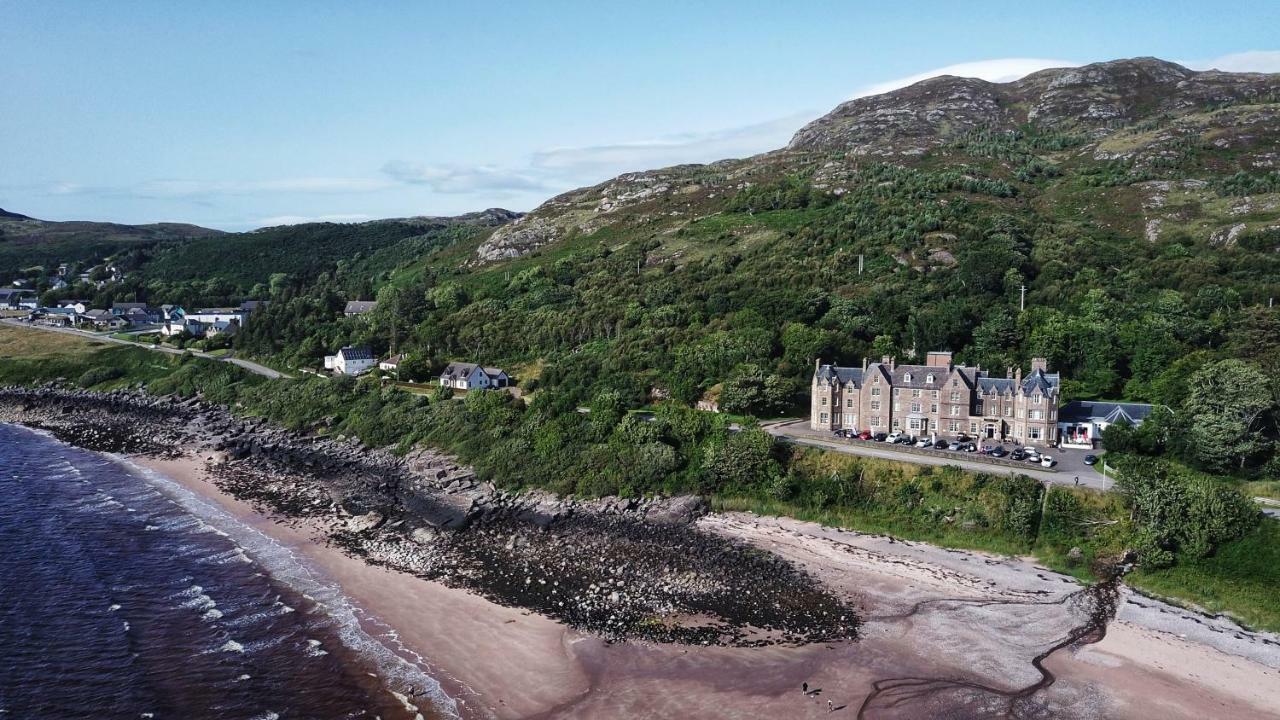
(1230, 405)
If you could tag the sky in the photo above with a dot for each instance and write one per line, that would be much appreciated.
(238, 115)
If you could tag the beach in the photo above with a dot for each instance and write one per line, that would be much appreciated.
(967, 624)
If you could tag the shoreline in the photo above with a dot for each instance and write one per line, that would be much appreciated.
(501, 662)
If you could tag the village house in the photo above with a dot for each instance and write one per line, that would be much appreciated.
(938, 398)
(469, 376)
(17, 299)
(359, 307)
(79, 306)
(350, 361)
(99, 319)
(391, 364)
(1081, 422)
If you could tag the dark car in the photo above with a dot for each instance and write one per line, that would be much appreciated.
(906, 440)
(880, 437)
(997, 452)
(1017, 454)
(970, 447)
(1090, 459)
(962, 438)
(941, 444)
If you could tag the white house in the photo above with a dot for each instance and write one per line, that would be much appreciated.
(100, 319)
(391, 364)
(350, 361)
(80, 306)
(213, 315)
(469, 376)
(359, 307)
(1081, 422)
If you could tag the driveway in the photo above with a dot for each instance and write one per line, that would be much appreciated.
(1070, 462)
(249, 365)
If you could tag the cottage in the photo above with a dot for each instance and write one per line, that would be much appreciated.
(79, 306)
(17, 299)
(54, 317)
(213, 315)
(100, 320)
(392, 364)
(123, 308)
(469, 376)
(350, 361)
(359, 307)
(1081, 422)
(937, 398)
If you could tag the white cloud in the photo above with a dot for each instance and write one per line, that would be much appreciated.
(995, 70)
(181, 188)
(700, 147)
(447, 178)
(299, 219)
(1265, 61)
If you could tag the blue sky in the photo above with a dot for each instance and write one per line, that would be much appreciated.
(241, 114)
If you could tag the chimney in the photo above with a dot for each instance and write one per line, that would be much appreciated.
(1018, 376)
(938, 359)
(886, 360)
(864, 363)
(1041, 364)
(1008, 372)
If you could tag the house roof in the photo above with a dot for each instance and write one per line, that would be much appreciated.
(252, 305)
(842, 375)
(459, 371)
(99, 314)
(356, 307)
(126, 306)
(219, 311)
(1078, 411)
(350, 353)
(394, 359)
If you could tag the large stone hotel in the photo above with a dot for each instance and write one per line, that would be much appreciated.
(937, 398)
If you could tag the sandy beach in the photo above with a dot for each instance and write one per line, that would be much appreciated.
(961, 627)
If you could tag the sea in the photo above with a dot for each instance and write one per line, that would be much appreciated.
(123, 595)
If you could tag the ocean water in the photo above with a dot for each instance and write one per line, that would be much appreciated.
(124, 596)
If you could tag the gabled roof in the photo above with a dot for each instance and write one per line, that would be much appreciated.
(461, 371)
(252, 305)
(1003, 386)
(1108, 412)
(843, 375)
(357, 307)
(394, 359)
(99, 314)
(126, 306)
(1039, 380)
(350, 353)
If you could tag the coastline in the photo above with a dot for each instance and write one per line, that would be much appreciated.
(502, 662)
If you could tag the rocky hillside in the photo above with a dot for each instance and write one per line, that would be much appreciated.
(1144, 119)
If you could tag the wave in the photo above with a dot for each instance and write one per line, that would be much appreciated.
(397, 665)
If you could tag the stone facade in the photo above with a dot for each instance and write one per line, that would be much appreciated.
(937, 398)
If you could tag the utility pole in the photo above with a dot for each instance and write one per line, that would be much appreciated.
(859, 263)
(1022, 303)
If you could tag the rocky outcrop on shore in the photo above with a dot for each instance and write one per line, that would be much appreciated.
(617, 567)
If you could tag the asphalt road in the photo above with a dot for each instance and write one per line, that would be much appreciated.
(249, 365)
(1070, 462)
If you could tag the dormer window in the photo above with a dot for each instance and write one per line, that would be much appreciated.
(928, 379)
(1037, 398)
(906, 378)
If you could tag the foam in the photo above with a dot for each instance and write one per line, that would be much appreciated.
(232, 646)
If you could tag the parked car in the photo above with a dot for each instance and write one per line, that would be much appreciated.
(963, 438)
(905, 440)
(880, 437)
(864, 435)
(1017, 454)
(970, 447)
(924, 443)
(837, 433)
(894, 437)
(997, 452)
(1047, 461)
(941, 444)
(955, 446)
(1090, 459)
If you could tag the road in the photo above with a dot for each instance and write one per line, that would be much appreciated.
(1070, 462)
(249, 365)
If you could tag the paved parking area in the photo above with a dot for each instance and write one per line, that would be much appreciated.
(1070, 462)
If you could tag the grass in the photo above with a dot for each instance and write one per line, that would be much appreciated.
(1242, 579)
(19, 342)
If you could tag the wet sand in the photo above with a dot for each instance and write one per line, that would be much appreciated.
(931, 615)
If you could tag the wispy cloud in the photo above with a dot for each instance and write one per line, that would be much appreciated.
(299, 219)
(183, 188)
(450, 178)
(994, 70)
(1265, 61)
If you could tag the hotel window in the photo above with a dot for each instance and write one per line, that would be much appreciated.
(822, 417)
(973, 428)
(897, 391)
(1036, 398)
(934, 394)
(915, 407)
(875, 422)
(1036, 414)
(915, 393)
(824, 402)
(955, 396)
(1008, 411)
(977, 408)
(1034, 433)
(850, 419)
(915, 423)
(897, 406)
(875, 404)
(896, 423)
(955, 411)
(875, 392)
(953, 426)
(848, 402)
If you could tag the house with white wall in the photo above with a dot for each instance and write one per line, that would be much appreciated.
(470, 376)
(350, 361)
